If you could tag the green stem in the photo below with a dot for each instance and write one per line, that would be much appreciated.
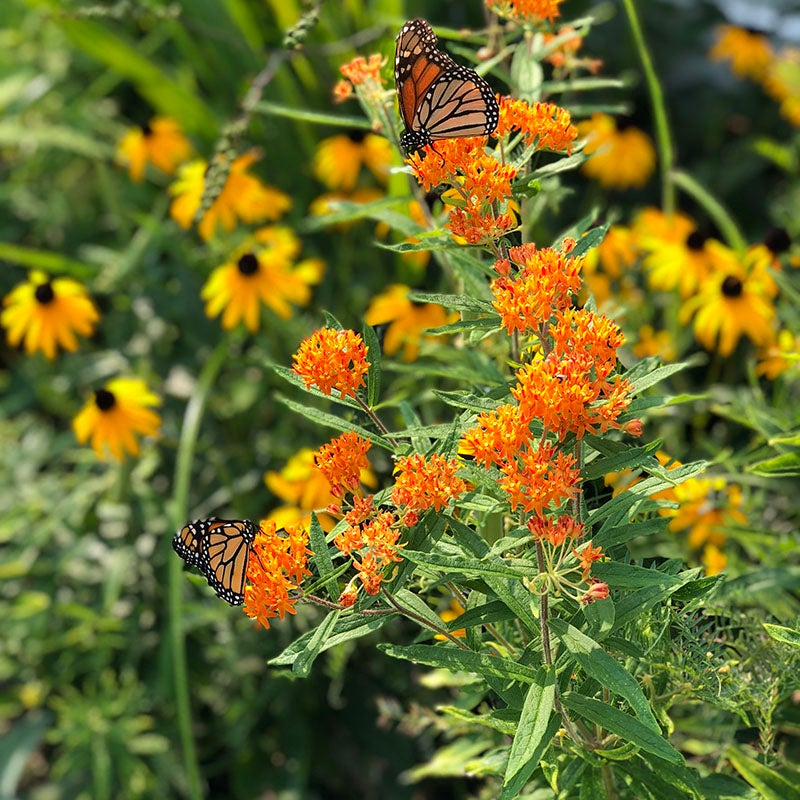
(179, 507)
(660, 121)
(722, 219)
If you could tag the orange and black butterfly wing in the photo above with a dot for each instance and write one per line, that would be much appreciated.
(220, 549)
(416, 67)
(460, 103)
(229, 544)
(438, 98)
(190, 541)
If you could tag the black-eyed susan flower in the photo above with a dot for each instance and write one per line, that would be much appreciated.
(46, 313)
(678, 256)
(780, 355)
(159, 142)
(243, 197)
(620, 158)
(115, 415)
(238, 288)
(730, 304)
(782, 83)
(303, 489)
(338, 159)
(749, 53)
(654, 343)
(406, 320)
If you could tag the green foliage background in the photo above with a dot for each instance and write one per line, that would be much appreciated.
(86, 688)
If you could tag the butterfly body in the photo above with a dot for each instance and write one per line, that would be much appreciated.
(438, 98)
(220, 549)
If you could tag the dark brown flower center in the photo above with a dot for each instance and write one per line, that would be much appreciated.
(696, 240)
(146, 129)
(248, 264)
(732, 286)
(777, 240)
(357, 135)
(44, 293)
(104, 399)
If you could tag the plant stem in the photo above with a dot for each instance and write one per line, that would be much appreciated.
(661, 123)
(718, 213)
(179, 508)
(377, 421)
(407, 612)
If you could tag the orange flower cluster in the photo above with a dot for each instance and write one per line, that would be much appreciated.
(479, 183)
(362, 76)
(570, 390)
(341, 462)
(539, 477)
(422, 483)
(547, 125)
(279, 566)
(532, 10)
(562, 559)
(545, 281)
(332, 359)
(371, 540)
(360, 70)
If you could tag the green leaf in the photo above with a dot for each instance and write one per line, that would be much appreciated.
(374, 371)
(305, 659)
(492, 720)
(629, 576)
(508, 568)
(608, 672)
(624, 725)
(447, 656)
(533, 723)
(346, 629)
(290, 376)
(653, 375)
(322, 557)
(632, 458)
(58, 137)
(52, 263)
(770, 784)
(331, 421)
(610, 535)
(414, 603)
(783, 466)
(780, 633)
(484, 323)
(460, 302)
(315, 117)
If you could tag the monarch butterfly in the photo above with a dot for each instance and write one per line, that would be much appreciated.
(220, 549)
(438, 98)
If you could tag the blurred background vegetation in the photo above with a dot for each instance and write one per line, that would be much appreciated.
(86, 687)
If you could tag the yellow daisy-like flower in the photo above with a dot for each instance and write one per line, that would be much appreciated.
(243, 197)
(654, 343)
(782, 83)
(779, 356)
(46, 313)
(621, 158)
(159, 142)
(338, 159)
(730, 305)
(304, 488)
(264, 275)
(327, 203)
(749, 53)
(118, 411)
(406, 320)
(678, 256)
